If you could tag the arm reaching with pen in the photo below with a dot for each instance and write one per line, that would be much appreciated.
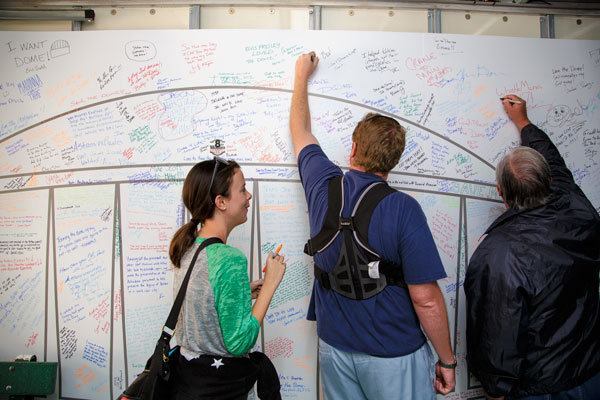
(531, 136)
(273, 275)
(256, 285)
(299, 112)
(277, 250)
(516, 110)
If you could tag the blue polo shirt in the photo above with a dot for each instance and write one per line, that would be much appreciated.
(386, 324)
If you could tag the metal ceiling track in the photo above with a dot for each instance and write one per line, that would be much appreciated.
(541, 7)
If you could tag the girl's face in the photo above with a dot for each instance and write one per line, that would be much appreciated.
(238, 201)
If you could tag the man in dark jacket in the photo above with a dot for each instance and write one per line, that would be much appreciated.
(533, 316)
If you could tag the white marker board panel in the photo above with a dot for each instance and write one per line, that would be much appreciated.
(125, 114)
(83, 245)
(23, 273)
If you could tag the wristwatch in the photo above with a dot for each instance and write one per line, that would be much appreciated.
(448, 366)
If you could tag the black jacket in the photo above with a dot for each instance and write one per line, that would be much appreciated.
(533, 317)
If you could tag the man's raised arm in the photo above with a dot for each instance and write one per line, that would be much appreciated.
(534, 137)
(299, 111)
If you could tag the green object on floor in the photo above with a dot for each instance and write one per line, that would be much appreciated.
(27, 378)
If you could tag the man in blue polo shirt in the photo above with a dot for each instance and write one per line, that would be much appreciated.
(373, 348)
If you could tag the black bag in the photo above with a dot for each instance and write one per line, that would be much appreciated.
(154, 383)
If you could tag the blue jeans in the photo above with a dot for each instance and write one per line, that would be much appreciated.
(358, 376)
(589, 390)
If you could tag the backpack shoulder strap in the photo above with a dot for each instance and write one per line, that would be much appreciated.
(330, 229)
(364, 207)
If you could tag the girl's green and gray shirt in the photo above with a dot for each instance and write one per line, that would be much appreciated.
(216, 316)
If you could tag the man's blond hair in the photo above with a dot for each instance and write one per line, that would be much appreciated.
(379, 143)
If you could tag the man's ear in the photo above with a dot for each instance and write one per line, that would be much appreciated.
(501, 195)
(352, 153)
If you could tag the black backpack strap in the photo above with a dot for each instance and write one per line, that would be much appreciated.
(330, 229)
(393, 273)
(364, 207)
(322, 277)
(174, 314)
(361, 217)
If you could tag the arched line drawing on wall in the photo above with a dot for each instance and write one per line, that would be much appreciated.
(316, 95)
(175, 103)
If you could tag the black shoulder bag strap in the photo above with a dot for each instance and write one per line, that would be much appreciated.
(158, 365)
(169, 327)
(174, 314)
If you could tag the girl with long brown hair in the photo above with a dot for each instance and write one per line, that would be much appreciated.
(218, 325)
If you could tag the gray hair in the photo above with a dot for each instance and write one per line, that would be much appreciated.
(523, 176)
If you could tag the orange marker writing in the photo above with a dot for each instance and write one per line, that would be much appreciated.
(277, 250)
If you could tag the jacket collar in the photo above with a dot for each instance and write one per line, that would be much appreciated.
(508, 215)
(554, 203)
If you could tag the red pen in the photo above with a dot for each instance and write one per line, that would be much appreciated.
(277, 250)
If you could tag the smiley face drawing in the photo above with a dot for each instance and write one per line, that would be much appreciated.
(558, 115)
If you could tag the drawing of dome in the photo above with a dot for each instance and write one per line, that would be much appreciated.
(59, 48)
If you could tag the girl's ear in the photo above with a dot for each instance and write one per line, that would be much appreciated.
(221, 203)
